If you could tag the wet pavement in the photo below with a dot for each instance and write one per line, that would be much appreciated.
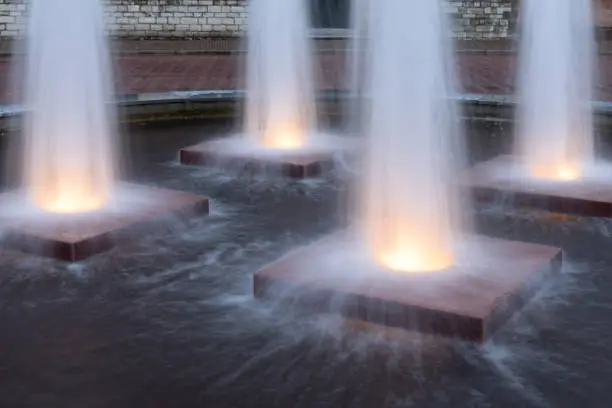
(480, 73)
(209, 45)
(169, 320)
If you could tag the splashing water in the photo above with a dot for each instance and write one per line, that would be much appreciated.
(557, 64)
(69, 127)
(411, 215)
(280, 100)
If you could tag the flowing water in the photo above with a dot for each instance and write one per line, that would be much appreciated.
(69, 158)
(410, 211)
(280, 110)
(169, 320)
(556, 74)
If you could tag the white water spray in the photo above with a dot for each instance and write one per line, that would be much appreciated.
(70, 127)
(411, 212)
(280, 110)
(556, 70)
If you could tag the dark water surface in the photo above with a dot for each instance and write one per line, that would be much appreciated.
(168, 321)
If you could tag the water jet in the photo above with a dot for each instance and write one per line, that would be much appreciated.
(411, 259)
(71, 204)
(553, 166)
(280, 124)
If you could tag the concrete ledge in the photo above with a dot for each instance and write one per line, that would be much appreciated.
(470, 300)
(325, 40)
(222, 103)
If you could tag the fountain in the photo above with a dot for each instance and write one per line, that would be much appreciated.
(68, 114)
(554, 163)
(280, 125)
(71, 200)
(411, 259)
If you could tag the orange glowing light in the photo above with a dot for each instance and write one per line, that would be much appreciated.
(69, 198)
(67, 205)
(561, 172)
(406, 256)
(410, 261)
(409, 232)
(285, 136)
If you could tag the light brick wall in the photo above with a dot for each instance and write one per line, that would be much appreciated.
(150, 18)
(176, 18)
(475, 19)
(484, 19)
(12, 17)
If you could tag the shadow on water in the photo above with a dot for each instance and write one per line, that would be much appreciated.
(169, 320)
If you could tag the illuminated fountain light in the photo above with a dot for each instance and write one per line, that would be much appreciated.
(411, 259)
(280, 99)
(410, 212)
(555, 126)
(280, 108)
(409, 255)
(558, 172)
(553, 165)
(283, 136)
(72, 205)
(69, 196)
(70, 159)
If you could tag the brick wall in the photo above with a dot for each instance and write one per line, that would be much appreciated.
(475, 19)
(176, 18)
(484, 19)
(12, 17)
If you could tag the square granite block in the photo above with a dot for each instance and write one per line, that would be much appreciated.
(469, 301)
(298, 164)
(74, 237)
(489, 181)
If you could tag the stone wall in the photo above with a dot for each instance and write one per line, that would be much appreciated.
(484, 19)
(475, 19)
(12, 17)
(176, 18)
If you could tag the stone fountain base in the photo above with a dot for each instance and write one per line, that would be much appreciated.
(74, 237)
(491, 181)
(469, 302)
(298, 164)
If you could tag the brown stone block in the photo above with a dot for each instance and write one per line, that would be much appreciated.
(470, 301)
(588, 197)
(297, 164)
(74, 237)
